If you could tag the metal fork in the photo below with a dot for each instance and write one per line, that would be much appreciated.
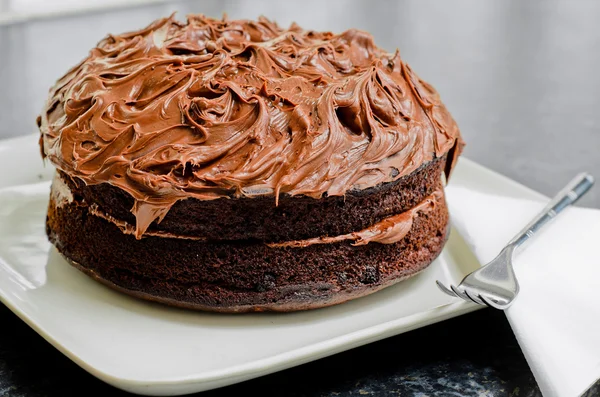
(495, 284)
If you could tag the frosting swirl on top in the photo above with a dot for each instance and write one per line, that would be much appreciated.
(235, 108)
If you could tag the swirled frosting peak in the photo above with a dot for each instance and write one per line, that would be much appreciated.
(236, 108)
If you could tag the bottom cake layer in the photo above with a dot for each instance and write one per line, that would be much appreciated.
(241, 276)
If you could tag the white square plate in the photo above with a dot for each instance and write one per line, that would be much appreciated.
(151, 349)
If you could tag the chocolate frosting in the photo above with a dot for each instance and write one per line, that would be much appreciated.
(234, 108)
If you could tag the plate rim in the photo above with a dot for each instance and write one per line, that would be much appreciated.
(297, 356)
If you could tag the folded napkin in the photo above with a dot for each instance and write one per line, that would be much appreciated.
(556, 317)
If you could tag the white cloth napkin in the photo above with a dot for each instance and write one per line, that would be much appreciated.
(556, 317)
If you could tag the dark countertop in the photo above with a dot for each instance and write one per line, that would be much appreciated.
(521, 79)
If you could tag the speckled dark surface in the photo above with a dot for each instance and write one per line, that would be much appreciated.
(453, 358)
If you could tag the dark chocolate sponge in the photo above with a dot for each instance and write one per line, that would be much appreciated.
(258, 218)
(240, 276)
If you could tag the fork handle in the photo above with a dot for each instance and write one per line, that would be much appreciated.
(567, 196)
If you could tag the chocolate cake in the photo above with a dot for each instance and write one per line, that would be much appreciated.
(235, 166)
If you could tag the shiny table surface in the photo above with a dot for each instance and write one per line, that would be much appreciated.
(521, 79)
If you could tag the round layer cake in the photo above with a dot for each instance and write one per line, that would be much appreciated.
(234, 166)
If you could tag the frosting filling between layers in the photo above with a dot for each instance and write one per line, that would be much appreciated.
(128, 228)
(387, 231)
(60, 192)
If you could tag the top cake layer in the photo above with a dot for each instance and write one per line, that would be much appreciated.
(236, 108)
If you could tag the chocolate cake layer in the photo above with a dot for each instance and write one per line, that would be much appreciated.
(234, 165)
(240, 276)
(260, 219)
